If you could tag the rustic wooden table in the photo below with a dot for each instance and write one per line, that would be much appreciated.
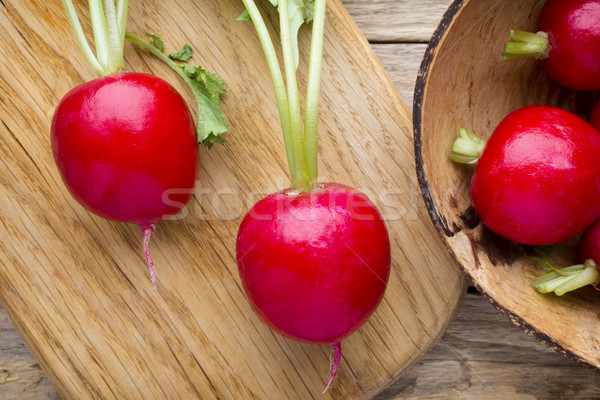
(482, 355)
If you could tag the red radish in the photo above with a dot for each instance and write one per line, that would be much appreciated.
(564, 280)
(589, 243)
(537, 180)
(595, 116)
(117, 157)
(567, 44)
(314, 259)
(125, 143)
(304, 257)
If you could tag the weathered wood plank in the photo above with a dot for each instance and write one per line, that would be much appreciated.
(20, 375)
(397, 20)
(402, 62)
(484, 356)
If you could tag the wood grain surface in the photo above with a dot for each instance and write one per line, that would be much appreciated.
(76, 286)
(482, 355)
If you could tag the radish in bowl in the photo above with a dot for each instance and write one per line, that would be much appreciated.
(567, 44)
(537, 179)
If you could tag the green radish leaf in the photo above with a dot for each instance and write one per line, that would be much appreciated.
(207, 88)
(245, 16)
(156, 41)
(300, 11)
(543, 257)
(182, 55)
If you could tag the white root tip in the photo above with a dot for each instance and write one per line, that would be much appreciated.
(147, 233)
(337, 356)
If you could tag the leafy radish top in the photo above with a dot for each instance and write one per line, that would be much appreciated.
(109, 29)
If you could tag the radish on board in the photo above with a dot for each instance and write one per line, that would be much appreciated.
(314, 259)
(537, 179)
(564, 280)
(125, 144)
(567, 44)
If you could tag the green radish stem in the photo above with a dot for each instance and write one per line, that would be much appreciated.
(300, 143)
(100, 30)
(135, 39)
(277, 79)
(563, 280)
(122, 8)
(108, 23)
(526, 44)
(80, 37)
(114, 36)
(311, 117)
(300, 180)
(467, 147)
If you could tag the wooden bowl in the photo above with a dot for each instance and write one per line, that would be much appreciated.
(462, 82)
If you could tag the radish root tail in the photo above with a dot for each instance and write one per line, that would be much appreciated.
(147, 233)
(337, 356)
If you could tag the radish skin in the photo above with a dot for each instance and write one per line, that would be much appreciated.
(304, 258)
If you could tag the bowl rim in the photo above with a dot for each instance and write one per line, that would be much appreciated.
(437, 38)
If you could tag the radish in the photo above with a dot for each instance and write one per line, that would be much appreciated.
(314, 259)
(567, 44)
(595, 116)
(125, 143)
(589, 243)
(537, 179)
(564, 280)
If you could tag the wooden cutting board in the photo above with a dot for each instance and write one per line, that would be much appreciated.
(76, 286)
